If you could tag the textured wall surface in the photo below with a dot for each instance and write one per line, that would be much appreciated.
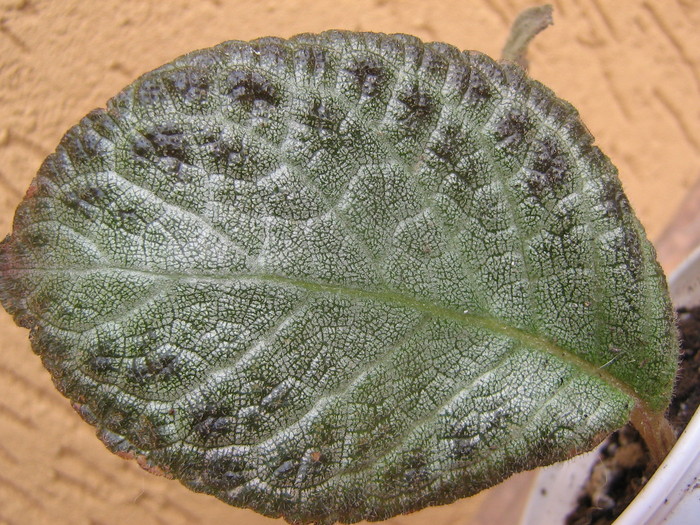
(631, 67)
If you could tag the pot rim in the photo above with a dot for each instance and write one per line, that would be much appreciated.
(666, 485)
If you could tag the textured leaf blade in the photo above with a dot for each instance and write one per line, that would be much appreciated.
(339, 277)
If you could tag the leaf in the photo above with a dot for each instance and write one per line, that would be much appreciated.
(339, 277)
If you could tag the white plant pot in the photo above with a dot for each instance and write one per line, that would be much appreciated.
(671, 496)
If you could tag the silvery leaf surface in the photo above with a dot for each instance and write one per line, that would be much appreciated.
(339, 277)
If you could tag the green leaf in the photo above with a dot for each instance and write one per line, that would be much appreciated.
(339, 277)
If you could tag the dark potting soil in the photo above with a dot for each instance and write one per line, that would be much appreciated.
(624, 465)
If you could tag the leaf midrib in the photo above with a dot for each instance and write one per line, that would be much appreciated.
(389, 297)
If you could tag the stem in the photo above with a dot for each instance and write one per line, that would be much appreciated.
(528, 24)
(656, 432)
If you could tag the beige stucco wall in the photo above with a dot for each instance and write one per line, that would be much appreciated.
(632, 67)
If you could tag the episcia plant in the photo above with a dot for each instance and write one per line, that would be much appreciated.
(341, 276)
